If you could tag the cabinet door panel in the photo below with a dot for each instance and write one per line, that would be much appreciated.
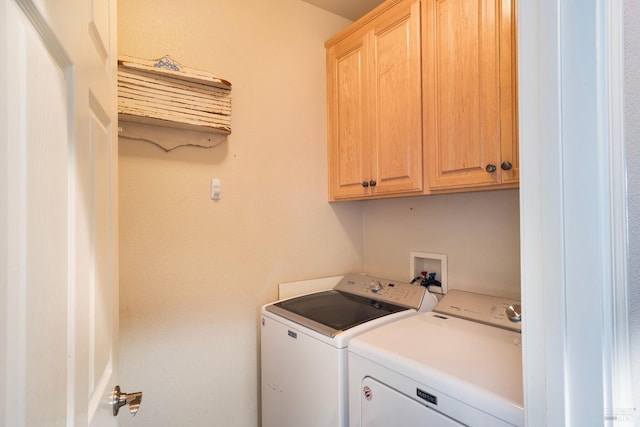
(463, 92)
(509, 92)
(350, 121)
(348, 151)
(397, 110)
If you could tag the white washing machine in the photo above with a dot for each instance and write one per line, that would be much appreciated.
(304, 343)
(460, 364)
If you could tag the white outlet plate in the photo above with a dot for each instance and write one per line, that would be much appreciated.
(431, 262)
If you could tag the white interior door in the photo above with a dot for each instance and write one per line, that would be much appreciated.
(58, 124)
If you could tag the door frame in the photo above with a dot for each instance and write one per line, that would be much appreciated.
(573, 212)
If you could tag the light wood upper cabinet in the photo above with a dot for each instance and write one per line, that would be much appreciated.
(375, 105)
(422, 98)
(470, 103)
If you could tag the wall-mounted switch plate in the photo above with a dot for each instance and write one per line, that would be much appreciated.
(216, 189)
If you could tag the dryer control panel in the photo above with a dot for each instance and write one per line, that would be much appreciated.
(489, 310)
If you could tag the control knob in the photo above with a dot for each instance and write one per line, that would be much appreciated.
(514, 312)
(375, 286)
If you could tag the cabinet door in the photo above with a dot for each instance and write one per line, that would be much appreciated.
(509, 93)
(375, 105)
(462, 92)
(348, 132)
(396, 107)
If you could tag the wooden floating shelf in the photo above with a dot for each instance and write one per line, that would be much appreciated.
(164, 93)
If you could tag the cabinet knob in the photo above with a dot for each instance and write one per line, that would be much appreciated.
(373, 183)
(365, 184)
(506, 166)
(490, 168)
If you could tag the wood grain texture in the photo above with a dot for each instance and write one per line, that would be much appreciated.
(347, 117)
(422, 98)
(469, 81)
(375, 105)
(180, 98)
(509, 91)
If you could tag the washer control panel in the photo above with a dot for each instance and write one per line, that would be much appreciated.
(493, 311)
(393, 292)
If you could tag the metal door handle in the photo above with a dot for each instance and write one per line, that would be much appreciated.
(121, 399)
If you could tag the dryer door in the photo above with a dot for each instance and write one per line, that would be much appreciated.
(383, 406)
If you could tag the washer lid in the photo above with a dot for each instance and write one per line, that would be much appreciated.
(331, 312)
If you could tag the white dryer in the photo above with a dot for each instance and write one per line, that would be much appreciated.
(460, 364)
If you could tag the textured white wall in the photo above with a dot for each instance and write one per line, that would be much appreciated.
(194, 272)
(632, 136)
(479, 233)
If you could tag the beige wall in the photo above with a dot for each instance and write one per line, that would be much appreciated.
(479, 233)
(194, 272)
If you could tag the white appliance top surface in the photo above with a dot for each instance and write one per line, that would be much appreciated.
(474, 363)
(341, 340)
(357, 299)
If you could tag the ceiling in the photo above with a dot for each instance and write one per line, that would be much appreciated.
(350, 9)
